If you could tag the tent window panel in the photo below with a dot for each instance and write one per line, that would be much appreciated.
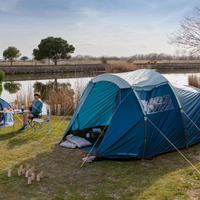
(158, 104)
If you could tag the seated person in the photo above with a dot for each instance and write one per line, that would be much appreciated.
(34, 110)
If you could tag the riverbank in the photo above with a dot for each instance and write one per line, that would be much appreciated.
(44, 69)
(88, 68)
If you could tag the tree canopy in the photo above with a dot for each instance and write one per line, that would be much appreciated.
(187, 38)
(11, 53)
(24, 58)
(54, 49)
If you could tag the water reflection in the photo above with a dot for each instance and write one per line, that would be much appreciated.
(71, 84)
(12, 87)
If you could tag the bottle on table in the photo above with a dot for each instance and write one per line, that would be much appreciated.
(22, 107)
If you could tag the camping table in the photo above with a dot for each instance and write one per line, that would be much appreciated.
(14, 112)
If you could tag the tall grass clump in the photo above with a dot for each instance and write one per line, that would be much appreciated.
(23, 97)
(60, 97)
(65, 100)
(79, 87)
(194, 80)
(61, 102)
(125, 67)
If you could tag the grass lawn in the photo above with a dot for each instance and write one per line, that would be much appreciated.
(167, 176)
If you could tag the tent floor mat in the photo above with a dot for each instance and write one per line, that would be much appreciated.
(92, 140)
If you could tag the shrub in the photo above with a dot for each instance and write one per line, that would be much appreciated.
(129, 61)
(25, 97)
(104, 60)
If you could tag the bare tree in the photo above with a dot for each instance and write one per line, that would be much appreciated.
(188, 36)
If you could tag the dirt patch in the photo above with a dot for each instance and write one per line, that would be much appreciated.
(192, 193)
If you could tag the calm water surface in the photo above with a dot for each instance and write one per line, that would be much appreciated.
(76, 80)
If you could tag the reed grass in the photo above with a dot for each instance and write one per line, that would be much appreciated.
(60, 97)
(23, 97)
(64, 100)
(61, 102)
(194, 80)
(110, 68)
(124, 67)
(79, 87)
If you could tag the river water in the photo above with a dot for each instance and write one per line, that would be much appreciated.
(75, 79)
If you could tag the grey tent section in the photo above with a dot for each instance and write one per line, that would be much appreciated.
(139, 79)
(189, 98)
(5, 119)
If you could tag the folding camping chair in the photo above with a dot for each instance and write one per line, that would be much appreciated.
(30, 121)
(39, 124)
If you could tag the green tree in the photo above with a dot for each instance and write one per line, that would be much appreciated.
(54, 49)
(2, 78)
(11, 53)
(24, 58)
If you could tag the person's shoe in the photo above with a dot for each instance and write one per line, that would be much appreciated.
(23, 128)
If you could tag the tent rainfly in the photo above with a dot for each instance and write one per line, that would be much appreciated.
(132, 107)
(5, 119)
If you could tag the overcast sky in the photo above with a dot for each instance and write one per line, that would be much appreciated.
(94, 27)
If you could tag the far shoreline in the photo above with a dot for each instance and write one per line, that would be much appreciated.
(98, 68)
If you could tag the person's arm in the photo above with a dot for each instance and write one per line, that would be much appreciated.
(39, 109)
(30, 106)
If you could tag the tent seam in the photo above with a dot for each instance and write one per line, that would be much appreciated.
(182, 114)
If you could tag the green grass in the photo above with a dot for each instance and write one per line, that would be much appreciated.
(166, 177)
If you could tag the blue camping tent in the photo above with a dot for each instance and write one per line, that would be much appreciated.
(5, 119)
(133, 107)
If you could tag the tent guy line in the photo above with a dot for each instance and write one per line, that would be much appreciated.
(64, 119)
(105, 127)
(173, 146)
(128, 134)
(42, 139)
(66, 112)
(57, 122)
(159, 132)
(191, 121)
